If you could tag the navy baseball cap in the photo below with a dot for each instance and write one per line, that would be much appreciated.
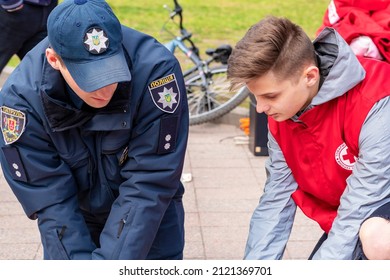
(88, 37)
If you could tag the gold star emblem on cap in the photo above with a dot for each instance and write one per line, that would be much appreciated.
(96, 41)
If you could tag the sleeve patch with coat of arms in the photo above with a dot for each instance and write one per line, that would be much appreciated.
(13, 123)
(165, 93)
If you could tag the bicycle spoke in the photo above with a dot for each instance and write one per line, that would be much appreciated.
(211, 100)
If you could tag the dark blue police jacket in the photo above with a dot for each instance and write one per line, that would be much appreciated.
(103, 183)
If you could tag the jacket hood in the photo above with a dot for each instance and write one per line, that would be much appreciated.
(339, 66)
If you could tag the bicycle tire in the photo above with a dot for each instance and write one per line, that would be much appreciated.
(214, 100)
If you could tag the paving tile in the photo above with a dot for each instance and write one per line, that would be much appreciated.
(218, 219)
(6, 195)
(211, 205)
(17, 222)
(225, 242)
(300, 250)
(11, 208)
(216, 151)
(19, 235)
(306, 233)
(220, 163)
(193, 234)
(231, 193)
(192, 219)
(20, 251)
(194, 251)
(39, 255)
(223, 177)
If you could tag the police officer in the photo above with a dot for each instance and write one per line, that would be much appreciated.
(22, 25)
(95, 127)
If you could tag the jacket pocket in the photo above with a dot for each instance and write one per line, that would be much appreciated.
(123, 227)
(53, 247)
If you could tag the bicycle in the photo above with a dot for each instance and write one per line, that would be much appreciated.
(208, 89)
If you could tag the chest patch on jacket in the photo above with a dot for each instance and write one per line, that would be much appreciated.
(344, 158)
(13, 123)
(165, 93)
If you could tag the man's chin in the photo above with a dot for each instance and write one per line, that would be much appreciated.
(276, 117)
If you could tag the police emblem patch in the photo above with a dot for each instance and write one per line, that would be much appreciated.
(96, 40)
(12, 124)
(165, 93)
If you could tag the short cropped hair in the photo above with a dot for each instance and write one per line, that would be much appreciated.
(274, 44)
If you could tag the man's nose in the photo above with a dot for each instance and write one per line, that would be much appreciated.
(262, 107)
(106, 92)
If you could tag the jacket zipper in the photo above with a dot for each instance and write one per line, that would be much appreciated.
(121, 226)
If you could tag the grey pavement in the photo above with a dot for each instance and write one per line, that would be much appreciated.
(223, 181)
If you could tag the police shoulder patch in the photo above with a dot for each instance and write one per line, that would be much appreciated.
(13, 123)
(165, 93)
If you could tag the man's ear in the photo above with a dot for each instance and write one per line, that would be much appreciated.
(52, 59)
(312, 75)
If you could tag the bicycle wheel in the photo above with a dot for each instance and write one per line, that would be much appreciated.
(214, 99)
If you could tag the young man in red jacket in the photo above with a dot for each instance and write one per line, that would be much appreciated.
(329, 140)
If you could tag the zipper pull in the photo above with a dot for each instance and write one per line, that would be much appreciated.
(121, 226)
(61, 234)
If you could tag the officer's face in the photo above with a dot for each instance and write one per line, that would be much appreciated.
(96, 99)
(282, 99)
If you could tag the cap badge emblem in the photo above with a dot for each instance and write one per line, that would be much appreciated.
(96, 41)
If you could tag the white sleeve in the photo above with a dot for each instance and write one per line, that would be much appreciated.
(272, 220)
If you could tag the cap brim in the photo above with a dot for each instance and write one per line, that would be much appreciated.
(99, 73)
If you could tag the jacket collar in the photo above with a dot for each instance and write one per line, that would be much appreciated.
(339, 66)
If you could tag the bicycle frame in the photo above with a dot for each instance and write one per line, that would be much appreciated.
(178, 43)
(208, 94)
(201, 66)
